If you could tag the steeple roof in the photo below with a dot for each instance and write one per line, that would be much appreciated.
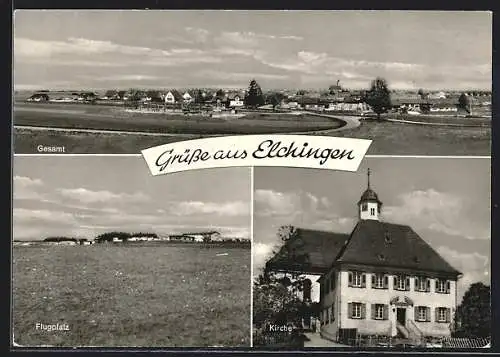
(369, 194)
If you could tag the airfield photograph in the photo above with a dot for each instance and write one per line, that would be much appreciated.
(106, 255)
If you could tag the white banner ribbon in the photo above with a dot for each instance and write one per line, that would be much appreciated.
(317, 152)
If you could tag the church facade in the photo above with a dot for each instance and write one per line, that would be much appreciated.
(382, 279)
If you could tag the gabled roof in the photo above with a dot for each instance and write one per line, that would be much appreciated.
(177, 95)
(315, 251)
(386, 244)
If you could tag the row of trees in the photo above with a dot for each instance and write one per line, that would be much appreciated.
(378, 97)
(108, 236)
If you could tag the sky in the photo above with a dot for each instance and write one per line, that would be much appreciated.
(86, 196)
(445, 201)
(76, 49)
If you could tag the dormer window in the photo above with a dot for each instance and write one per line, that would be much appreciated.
(364, 207)
(372, 211)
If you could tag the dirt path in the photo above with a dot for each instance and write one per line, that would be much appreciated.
(315, 340)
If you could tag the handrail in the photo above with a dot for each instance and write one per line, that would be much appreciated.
(414, 325)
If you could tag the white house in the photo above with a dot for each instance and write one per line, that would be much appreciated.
(187, 97)
(173, 97)
(235, 100)
(382, 279)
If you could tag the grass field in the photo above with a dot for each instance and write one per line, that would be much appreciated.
(165, 296)
(77, 116)
(388, 139)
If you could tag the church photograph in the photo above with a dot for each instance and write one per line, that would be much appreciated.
(382, 257)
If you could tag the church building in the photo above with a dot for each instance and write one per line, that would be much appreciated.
(382, 279)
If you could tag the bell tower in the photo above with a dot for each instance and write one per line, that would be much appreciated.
(369, 206)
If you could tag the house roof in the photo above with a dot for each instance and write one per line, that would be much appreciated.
(316, 251)
(177, 95)
(386, 244)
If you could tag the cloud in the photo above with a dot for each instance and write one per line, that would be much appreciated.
(23, 181)
(127, 77)
(27, 215)
(437, 211)
(269, 202)
(25, 188)
(88, 196)
(475, 267)
(235, 208)
(199, 34)
(239, 76)
(87, 52)
(261, 253)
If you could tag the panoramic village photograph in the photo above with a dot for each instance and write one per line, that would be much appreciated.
(395, 255)
(107, 255)
(416, 83)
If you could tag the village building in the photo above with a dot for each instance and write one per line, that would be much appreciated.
(382, 279)
(173, 97)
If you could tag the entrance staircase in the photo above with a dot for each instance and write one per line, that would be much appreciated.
(410, 333)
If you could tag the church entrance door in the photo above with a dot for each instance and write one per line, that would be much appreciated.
(401, 315)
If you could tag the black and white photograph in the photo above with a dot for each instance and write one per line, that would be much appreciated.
(414, 82)
(107, 255)
(395, 255)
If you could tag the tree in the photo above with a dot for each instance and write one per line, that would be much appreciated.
(254, 97)
(199, 97)
(274, 303)
(275, 99)
(473, 316)
(379, 96)
(422, 94)
(464, 102)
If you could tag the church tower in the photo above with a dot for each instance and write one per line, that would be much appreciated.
(369, 206)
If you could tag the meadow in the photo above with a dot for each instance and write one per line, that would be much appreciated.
(388, 139)
(77, 116)
(128, 295)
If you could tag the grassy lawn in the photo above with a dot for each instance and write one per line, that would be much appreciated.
(102, 118)
(132, 295)
(410, 139)
(388, 139)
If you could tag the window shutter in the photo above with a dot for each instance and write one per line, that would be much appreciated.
(349, 308)
(448, 315)
(372, 280)
(363, 311)
(428, 289)
(395, 282)
(407, 284)
(435, 285)
(415, 313)
(428, 314)
(386, 312)
(448, 287)
(350, 279)
(386, 282)
(436, 314)
(374, 311)
(363, 280)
